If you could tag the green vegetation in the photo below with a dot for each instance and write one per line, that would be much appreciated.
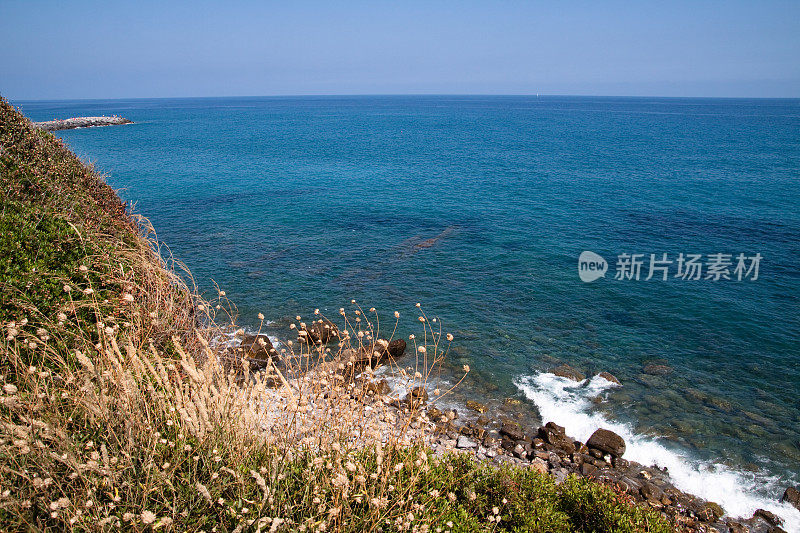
(115, 411)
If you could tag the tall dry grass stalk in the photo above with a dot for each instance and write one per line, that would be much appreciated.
(141, 419)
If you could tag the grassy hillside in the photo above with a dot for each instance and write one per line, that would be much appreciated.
(115, 411)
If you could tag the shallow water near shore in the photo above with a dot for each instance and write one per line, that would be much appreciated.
(478, 207)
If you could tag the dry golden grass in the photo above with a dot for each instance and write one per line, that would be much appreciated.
(121, 409)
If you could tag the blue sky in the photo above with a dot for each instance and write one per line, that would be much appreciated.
(81, 49)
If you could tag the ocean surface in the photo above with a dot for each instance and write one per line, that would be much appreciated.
(478, 208)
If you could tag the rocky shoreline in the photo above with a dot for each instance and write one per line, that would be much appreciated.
(82, 122)
(549, 449)
(497, 439)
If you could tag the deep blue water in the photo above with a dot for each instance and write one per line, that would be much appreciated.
(290, 204)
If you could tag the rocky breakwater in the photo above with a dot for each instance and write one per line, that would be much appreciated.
(82, 122)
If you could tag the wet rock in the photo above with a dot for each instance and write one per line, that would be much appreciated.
(610, 377)
(769, 517)
(476, 406)
(554, 435)
(566, 371)
(713, 511)
(320, 332)
(483, 420)
(792, 496)
(512, 430)
(416, 397)
(607, 441)
(511, 402)
(373, 355)
(396, 348)
(555, 427)
(464, 442)
(257, 350)
(435, 414)
(621, 463)
(655, 369)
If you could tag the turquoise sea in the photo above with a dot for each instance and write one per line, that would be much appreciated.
(478, 208)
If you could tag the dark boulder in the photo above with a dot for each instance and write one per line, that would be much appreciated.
(607, 441)
(566, 371)
(416, 397)
(512, 430)
(257, 350)
(320, 332)
(792, 496)
(555, 427)
(769, 517)
(554, 435)
(372, 355)
(396, 348)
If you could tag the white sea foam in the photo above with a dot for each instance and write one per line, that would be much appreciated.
(568, 403)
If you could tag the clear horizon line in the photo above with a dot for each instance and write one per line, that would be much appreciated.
(351, 95)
